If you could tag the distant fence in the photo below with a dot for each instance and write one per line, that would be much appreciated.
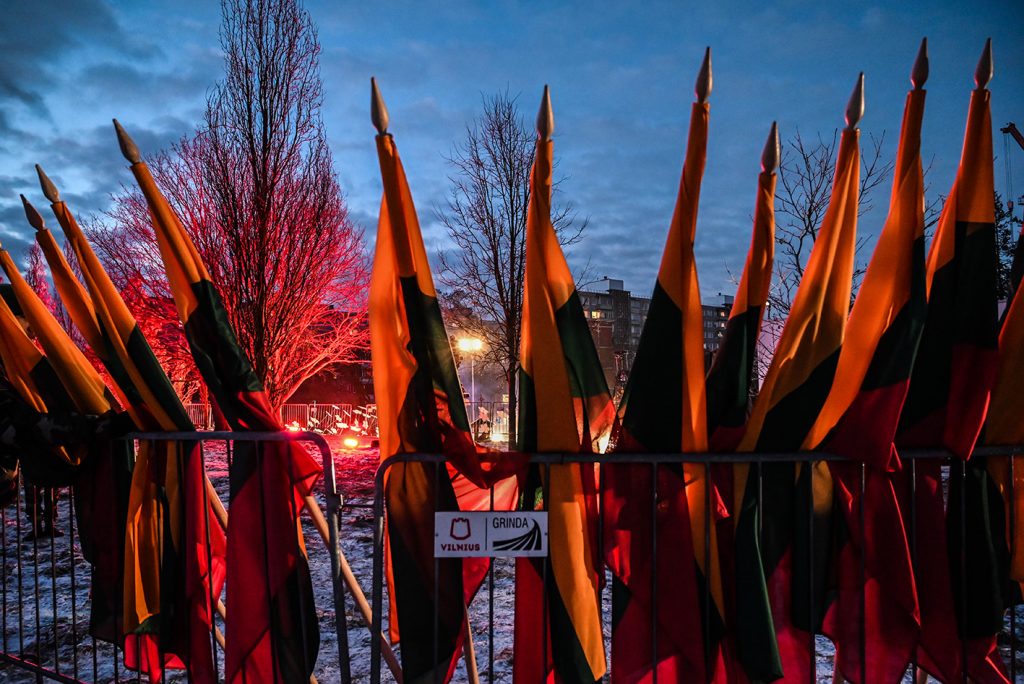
(201, 415)
(488, 419)
(326, 419)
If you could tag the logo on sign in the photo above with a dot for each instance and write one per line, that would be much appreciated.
(528, 541)
(460, 529)
(461, 534)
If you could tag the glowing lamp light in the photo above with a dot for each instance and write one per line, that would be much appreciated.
(350, 442)
(470, 344)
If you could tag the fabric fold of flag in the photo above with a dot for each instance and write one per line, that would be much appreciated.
(1004, 426)
(31, 376)
(877, 613)
(795, 388)
(272, 628)
(420, 409)
(750, 637)
(565, 407)
(175, 547)
(29, 371)
(945, 407)
(102, 484)
(663, 409)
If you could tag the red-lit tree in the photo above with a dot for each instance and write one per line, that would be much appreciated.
(256, 189)
(36, 276)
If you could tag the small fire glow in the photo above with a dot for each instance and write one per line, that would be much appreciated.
(350, 442)
(294, 427)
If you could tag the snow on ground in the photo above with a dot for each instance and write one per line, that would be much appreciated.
(55, 565)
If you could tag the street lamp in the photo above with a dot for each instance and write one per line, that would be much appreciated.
(471, 346)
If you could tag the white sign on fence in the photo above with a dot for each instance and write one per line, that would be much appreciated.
(460, 534)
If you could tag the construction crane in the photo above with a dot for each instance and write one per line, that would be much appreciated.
(1008, 131)
(1011, 129)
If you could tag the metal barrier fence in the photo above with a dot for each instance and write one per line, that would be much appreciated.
(322, 418)
(45, 601)
(488, 420)
(1011, 648)
(201, 415)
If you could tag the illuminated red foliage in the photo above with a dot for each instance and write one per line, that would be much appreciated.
(256, 190)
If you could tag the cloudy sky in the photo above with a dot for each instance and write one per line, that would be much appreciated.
(621, 76)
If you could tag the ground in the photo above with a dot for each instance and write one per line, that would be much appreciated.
(42, 573)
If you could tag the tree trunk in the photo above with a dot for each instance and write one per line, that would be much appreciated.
(512, 410)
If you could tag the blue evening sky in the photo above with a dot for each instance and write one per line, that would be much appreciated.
(621, 76)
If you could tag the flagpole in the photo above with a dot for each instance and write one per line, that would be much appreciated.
(35, 219)
(380, 119)
(130, 151)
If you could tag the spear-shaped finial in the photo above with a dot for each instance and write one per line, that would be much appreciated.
(378, 110)
(983, 73)
(128, 148)
(49, 189)
(545, 117)
(772, 150)
(855, 107)
(703, 86)
(919, 74)
(35, 219)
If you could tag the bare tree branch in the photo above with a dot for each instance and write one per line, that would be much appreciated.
(485, 217)
(805, 180)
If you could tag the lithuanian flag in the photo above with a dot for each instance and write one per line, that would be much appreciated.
(32, 377)
(565, 407)
(979, 491)
(420, 409)
(730, 380)
(1016, 270)
(795, 388)
(101, 487)
(1005, 427)
(83, 383)
(174, 555)
(272, 628)
(858, 421)
(949, 394)
(750, 638)
(663, 410)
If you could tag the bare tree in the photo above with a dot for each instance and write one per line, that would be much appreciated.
(805, 189)
(485, 218)
(805, 180)
(256, 190)
(1006, 245)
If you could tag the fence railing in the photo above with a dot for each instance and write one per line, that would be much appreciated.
(484, 616)
(489, 421)
(46, 589)
(201, 415)
(326, 419)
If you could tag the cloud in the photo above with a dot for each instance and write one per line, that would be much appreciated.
(15, 235)
(37, 35)
(622, 86)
